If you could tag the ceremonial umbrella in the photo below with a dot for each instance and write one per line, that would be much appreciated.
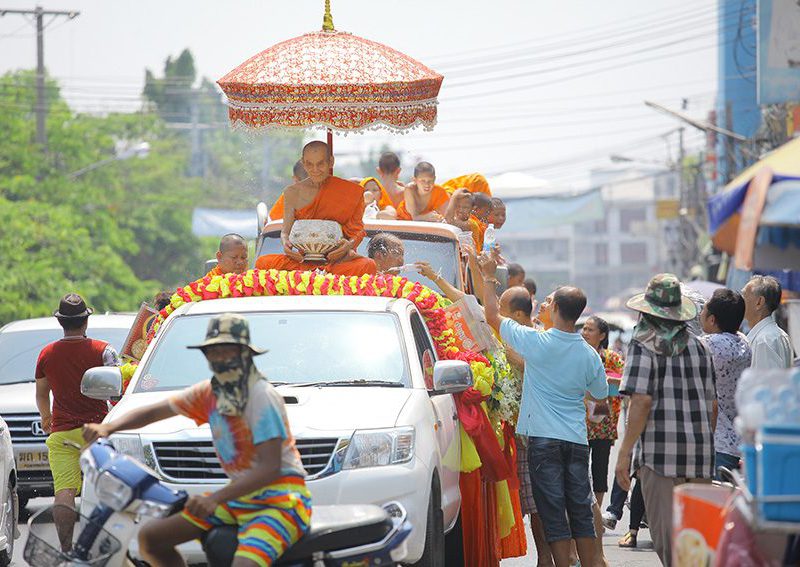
(333, 80)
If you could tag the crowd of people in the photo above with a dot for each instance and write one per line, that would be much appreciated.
(673, 387)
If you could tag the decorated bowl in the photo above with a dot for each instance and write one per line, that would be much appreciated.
(315, 238)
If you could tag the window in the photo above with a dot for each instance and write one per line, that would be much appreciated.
(601, 254)
(633, 253)
(304, 347)
(629, 217)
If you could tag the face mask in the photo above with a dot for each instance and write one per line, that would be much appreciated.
(230, 383)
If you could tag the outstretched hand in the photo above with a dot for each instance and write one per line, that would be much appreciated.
(425, 270)
(94, 431)
(488, 265)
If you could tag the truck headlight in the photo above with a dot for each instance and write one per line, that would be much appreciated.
(112, 492)
(380, 447)
(130, 445)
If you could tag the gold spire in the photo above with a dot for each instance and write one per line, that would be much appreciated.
(327, 19)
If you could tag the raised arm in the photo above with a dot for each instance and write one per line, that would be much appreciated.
(491, 305)
(135, 419)
(445, 286)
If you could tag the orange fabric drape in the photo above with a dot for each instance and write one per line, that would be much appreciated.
(276, 212)
(438, 198)
(473, 182)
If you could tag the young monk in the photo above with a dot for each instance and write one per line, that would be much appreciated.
(375, 193)
(459, 213)
(322, 196)
(231, 256)
(424, 200)
(388, 171)
(497, 214)
(298, 174)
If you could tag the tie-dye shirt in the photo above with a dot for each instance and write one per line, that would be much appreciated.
(235, 437)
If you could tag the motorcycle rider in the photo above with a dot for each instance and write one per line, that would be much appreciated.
(267, 497)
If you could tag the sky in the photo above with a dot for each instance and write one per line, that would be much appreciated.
(551, 88)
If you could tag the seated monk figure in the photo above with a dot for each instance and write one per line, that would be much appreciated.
(298, 174)
(375, 193)
(424, 200)
(473, 182)
(231, 256)
(459, 214)
(321, 196)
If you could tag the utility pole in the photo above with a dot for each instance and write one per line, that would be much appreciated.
(41, 96)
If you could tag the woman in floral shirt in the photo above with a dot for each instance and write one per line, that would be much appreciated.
(602, 421)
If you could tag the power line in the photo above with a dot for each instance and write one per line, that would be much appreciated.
(41, 102)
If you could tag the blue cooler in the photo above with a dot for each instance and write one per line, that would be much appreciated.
(777, 478)
(750, 467)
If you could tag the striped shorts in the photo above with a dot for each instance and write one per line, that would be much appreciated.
(269, 520)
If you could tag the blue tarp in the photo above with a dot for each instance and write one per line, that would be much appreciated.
(721, 207)
(530, 213)
(219, 222)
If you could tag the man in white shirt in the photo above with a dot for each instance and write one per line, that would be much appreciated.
(769, 343)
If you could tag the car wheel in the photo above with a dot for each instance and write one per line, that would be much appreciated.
(433, 554)
(9, 526)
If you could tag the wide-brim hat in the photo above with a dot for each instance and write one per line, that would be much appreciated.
(663, 298)
(228, 329)
(72, 306)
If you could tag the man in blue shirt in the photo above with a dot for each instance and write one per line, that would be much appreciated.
(560, 369)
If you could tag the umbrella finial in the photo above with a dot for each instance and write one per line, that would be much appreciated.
(327, 19)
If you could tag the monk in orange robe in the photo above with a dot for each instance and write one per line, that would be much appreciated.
(388, 171)
(323, 197)
(231, 256)
(298, 174)
(374, 192)
(473, 182)
(459, 214)
(424, 200)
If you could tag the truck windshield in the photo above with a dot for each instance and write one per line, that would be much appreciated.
(19, 350)
(304, 348)
(438, 251)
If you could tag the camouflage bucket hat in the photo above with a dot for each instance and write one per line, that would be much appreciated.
(663, 298)
(228, 329)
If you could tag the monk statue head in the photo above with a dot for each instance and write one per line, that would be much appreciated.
(424, 177)
(232, 254)
(317, 161)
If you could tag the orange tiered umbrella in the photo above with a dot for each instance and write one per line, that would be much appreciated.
(334, 80)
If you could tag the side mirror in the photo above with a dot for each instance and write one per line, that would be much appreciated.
(451, 376)
(102, 383)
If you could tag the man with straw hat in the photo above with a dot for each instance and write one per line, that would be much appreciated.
(669, 376)
(59, 371)
(267, 497)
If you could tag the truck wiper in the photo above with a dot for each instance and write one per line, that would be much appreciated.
(356, 382)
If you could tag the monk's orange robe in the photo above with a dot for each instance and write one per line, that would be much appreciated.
(473, 182)
(337, 200)
(215, 271)
(276, 212)
(438, 198)
(478, 231)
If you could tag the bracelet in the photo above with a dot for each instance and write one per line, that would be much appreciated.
(492, 281)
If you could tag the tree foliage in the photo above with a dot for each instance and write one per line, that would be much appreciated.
(121, 231)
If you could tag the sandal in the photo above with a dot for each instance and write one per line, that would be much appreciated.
(628, 540)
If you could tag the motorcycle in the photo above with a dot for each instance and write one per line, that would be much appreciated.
(128, 491)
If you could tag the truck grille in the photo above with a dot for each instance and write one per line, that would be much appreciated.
(197, 461)
(22, 430)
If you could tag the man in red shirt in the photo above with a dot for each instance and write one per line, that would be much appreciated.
(59, 370)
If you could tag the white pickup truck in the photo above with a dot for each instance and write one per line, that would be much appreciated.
(370, 406)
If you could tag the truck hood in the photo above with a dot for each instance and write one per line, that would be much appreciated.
(312, 412)
(19, 398)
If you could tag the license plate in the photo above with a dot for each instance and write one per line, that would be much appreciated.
(36, 459)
